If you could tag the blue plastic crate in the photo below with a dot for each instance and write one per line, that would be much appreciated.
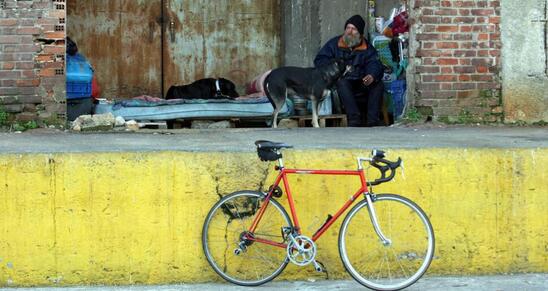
(397, 91)
(79, 76)
(78, 90)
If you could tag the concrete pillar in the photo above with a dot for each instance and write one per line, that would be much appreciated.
(524, 60)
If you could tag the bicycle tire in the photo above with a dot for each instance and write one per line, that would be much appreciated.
(219, 242)
(412, 243)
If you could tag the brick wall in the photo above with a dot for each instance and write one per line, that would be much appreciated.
(458, 59)
(32, 46)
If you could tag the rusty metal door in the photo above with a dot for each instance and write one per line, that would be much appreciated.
(122, 40)
(233, 39)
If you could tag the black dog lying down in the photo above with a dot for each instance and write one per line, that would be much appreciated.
(208, 88)
(310, 83)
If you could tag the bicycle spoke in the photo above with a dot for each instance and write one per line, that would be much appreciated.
(231, 217)
(408, 229)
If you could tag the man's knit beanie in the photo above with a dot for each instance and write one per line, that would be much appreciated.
(357, 21)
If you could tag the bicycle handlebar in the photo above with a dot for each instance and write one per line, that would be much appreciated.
(383, 165)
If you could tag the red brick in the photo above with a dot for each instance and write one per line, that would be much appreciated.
(46, 73)
(447, 20)
(482, 69)
(483, 78)
(438, 94)
(464, 12)
(447, 61)
(28, 83)
(482, 12)
(446, 12)
(8, 22)
(24, 65)
(10, 39)
(494, 53)
(462, 36)
(483, 53)
(447, 28)
(427, 69)
(465, 62)
(8, 66)
(428, 36)
(481, 62)
(428, 45)
(445, 78)
(446, 3)
(464, 53)
(49, 49)
(464, 86)
(464, 20)
(464, 4)
(446, 86)
(430, 19)
(44, 58)
(54, 35)
(464, 69)
(428, 53)
(483, 36)
(28, 74)
(464, 78)
(465, 28)
(29, 30)
(446, 70)
(447, 45)
(6, 75)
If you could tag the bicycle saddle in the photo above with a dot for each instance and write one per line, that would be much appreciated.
(270, 145)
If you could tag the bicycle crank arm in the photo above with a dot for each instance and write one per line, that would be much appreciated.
(317, 266)
(373, 215)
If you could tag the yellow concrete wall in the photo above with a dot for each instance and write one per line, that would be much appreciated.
(136, 218)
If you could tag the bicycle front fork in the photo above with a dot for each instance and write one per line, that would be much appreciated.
(373, 216)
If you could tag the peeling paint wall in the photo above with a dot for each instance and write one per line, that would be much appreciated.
(524, 56)
(136, 218)
(309, 24)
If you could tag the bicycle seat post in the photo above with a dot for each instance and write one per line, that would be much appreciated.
(280, 160)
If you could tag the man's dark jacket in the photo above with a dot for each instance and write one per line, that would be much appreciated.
(363, 58)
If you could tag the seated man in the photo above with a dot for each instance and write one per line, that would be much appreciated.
(365, 81)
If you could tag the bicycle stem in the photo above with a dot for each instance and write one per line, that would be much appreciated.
(373, 216)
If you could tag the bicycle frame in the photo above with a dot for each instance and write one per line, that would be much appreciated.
(282, 177)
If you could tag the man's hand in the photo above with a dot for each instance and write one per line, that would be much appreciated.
(367, 80)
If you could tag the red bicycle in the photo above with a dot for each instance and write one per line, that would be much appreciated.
(249, 238)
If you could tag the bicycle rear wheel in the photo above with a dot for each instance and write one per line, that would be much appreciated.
(227, 221)
(397, 265)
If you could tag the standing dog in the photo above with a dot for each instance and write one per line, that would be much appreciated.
(208, 88)
(310, 83)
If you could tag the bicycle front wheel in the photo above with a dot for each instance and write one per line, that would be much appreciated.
(393, 266)
(247, 263)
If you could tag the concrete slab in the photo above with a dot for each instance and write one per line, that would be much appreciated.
(241, 140)
(526, 282)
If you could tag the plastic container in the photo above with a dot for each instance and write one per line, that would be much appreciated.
(79, 76)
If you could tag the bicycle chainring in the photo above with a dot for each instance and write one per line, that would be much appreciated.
(301, 250)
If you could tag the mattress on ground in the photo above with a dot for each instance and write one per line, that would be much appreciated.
(198, 108)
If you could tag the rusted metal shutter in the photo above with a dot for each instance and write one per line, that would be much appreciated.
(234, 39)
